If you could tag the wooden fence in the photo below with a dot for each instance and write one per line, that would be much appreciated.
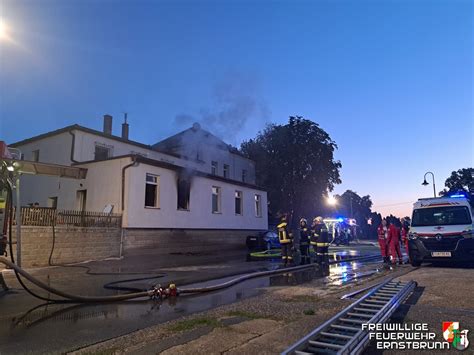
(45, 216)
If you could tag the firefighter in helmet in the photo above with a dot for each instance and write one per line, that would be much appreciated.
(304, 241)
(286, 240)
(320, 242)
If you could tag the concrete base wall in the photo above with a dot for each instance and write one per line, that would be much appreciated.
(165, 241)
(73, 244)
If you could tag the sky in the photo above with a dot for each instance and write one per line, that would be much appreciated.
(391, 81)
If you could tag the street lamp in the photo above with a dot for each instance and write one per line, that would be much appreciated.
(425, 183)
(331, 200)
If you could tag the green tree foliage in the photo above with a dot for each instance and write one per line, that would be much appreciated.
(463, 179)
(295, 164)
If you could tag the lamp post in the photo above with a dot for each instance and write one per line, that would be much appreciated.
(331, 200)
(425, 183)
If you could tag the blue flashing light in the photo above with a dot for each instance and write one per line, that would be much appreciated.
(340, 219)
(458, 196)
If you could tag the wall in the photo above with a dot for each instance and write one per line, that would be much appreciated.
(85, 148)
(36, 188)
(73, 244)
(199, 215)
(166, 241)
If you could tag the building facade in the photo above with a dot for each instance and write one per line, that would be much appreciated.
(191, 181)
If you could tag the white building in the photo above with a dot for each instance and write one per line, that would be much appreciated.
(189, 183)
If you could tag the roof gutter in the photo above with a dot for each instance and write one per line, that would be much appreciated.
(73, 146)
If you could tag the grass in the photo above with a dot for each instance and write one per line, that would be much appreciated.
(193, 323)
(308, 312)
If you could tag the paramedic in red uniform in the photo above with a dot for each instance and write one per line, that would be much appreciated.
(382, 232)
(394, 243)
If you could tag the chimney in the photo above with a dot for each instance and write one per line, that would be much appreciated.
(125, 128)
(108, 124)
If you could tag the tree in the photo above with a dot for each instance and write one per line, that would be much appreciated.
(350, 204)
(463, 179)
(295, 164)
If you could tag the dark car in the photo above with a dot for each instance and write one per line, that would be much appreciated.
(263, 241)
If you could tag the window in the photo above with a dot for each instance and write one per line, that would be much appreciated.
(53, 202)
(226, 171)
(238, 203)
(151, 190)
(184, 188)
(216, 199)
(36, 155)
(244, 175)
(101, 152)
(214, 168)
(81, 199)
(258, 206)
(441, 216)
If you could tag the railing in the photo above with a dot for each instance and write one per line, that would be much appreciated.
(46, 216)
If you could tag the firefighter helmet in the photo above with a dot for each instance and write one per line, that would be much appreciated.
(318, 219)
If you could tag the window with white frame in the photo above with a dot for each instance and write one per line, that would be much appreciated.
(238, 203)
(258, 206)
(216, 199)
(152, 190)
(214, 168)
(226, 171)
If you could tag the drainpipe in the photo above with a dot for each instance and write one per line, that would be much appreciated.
(133, 163)
(73, 146)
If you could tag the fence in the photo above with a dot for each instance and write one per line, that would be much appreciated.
(45, 216)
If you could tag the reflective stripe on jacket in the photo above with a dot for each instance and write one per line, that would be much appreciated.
(283, 234)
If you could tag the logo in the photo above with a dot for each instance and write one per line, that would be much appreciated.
(439, 237)
(439, 228)
(453, 335)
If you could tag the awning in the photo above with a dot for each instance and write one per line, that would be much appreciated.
(37, 168)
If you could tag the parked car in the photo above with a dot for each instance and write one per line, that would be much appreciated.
(263, 241)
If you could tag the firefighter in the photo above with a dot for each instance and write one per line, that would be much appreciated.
(286, 241)
(304, 241)
(394, 243)
(382, 233)
(320, 242)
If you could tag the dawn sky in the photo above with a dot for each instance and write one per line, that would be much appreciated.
(390, 81)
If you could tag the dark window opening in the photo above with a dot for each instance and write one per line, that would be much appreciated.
(36, 154)
(238, 202)
(226, 171)
(101, 153)
(244, 175)
(184, 189)
(151, 191)
(214, 168)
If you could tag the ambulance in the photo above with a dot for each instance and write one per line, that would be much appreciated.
(442, 230)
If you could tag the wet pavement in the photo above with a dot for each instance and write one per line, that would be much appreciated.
(28, 326)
